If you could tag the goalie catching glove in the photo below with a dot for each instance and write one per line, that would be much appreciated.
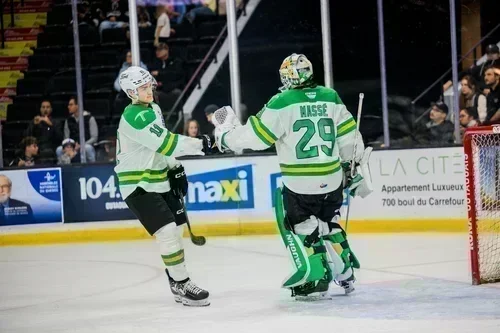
(224, 120)
(360, 183)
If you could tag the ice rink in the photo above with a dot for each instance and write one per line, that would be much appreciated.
(408, 283)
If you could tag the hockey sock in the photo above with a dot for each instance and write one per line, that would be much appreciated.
(172, 253)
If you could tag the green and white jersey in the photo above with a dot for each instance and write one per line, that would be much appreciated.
(146, 150)
(313, 132)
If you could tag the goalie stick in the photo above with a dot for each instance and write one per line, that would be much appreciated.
(353, 163)
(197, 240)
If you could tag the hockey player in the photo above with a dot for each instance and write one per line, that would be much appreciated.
(152, 182)
(313, 133)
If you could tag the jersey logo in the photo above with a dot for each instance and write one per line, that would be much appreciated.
(141, 114)
(311, 95)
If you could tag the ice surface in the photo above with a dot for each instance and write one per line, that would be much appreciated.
(408, 283)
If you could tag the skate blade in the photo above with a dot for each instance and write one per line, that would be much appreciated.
(314, 297)
(177, 299)
(348, 291)
(200, 303)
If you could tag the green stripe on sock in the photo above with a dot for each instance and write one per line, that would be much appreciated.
(168, 256)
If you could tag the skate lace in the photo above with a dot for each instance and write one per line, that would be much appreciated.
(192, 288)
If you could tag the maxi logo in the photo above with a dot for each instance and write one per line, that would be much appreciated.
(222, 189)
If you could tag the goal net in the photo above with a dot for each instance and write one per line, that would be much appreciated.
(482, 164)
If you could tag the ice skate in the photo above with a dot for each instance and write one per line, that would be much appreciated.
(189, 293)
(311, 291)
(348, 286)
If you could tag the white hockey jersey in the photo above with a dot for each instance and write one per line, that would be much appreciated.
(313, 132)
(146, 150)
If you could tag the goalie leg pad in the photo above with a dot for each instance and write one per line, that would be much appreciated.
(342, 257)
(308, 261)
(169, 239)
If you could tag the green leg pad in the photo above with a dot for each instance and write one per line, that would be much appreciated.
(308, 263)
(346, 254)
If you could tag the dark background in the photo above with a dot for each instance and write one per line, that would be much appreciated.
(417, 39)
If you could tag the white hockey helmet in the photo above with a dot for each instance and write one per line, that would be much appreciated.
(134, 77)
(295, 70)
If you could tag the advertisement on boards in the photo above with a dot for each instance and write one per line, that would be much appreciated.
(30, 196)
(91, 193)
(229, 188)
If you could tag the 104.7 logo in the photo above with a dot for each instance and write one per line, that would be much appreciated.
(93, 188)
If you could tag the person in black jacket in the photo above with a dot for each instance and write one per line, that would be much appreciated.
(492, 80)
(72, 130)
(12, 211)
(45, 130)
(27, 156)
(438, 131)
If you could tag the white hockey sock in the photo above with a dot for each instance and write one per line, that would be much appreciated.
(170, 240)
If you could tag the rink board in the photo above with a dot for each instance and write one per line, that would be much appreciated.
(419, 190)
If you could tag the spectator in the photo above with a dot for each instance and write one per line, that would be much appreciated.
(209, 8)
(125, 65)
(44, 129)
(468, 118)
(192, 128)
(69, 155)
(492, 78)
(209, 111)
(28, 154)
(144, 20)
(438, 131)
(112, 22)
(168, 72)
(72, 131)
(471, 97)
(163, 29)
(492, 59)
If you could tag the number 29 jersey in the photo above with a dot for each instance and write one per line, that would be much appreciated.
(313, 132)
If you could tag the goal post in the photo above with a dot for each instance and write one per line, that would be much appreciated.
(482, 180)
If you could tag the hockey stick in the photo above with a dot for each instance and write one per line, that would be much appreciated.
(353, 163)
(197, 240)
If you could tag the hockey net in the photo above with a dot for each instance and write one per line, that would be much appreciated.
(482, 163)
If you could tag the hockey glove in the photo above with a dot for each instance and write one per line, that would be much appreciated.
(178, 181)
(360, 182)
(208, 146)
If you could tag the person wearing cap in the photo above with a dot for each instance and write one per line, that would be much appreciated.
(70, 155)
(112, 22)
(492, 59)
(439, 130)
(209, 111)
(492, 80)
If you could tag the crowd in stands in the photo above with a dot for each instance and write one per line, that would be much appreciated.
(53, 137)
(479, 104)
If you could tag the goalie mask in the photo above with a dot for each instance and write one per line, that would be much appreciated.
(295, 71)
(133, 78)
